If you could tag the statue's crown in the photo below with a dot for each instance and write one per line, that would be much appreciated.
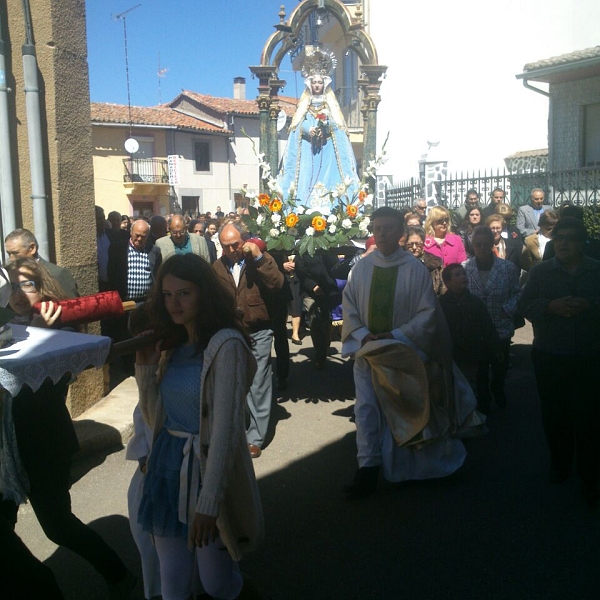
(318, 62)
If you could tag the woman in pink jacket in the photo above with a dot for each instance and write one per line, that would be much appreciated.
(439, 241)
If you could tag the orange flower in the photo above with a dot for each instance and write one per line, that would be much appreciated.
(351, 210)
(263, 199)
(362, 195)
(276, 205)
(292, 220)
(319, 223)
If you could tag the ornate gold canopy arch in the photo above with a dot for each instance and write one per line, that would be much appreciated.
(287, 38)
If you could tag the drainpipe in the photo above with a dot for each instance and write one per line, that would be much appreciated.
(9, 222)
(34, 132)
(527, 85)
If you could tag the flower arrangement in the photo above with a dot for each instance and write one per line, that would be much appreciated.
(285, 224)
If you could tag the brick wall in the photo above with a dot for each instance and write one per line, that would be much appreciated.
(568, 99)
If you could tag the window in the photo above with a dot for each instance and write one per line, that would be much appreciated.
(202, 156)
(591, 135)
(190, 205)
(349, 94)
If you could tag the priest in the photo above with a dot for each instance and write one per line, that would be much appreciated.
(405, 409)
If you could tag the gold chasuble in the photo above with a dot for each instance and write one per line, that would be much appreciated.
(382, 299)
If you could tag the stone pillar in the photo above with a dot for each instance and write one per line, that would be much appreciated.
(264, 104)
(276, 85)
(371, 99)
(61, 49)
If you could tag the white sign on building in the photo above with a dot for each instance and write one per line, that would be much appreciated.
(173, 164)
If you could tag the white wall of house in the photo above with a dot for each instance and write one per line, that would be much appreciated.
(232, 164)
(575, 127)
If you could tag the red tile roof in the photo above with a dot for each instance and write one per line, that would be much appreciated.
(234, 106)
(158, 116)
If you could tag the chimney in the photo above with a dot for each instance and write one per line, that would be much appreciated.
(239, 88)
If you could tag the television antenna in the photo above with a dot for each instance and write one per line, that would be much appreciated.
(130, 143)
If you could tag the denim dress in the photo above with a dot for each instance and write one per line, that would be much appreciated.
(180, 395)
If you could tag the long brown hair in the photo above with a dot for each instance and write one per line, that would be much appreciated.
(218, 309)
(45, 284)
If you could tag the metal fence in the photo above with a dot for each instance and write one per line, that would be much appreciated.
(577, 186)
(145, 170)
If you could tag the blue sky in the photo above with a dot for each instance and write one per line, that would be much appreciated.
(202, 44)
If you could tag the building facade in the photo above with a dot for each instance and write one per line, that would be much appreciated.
(192, 155)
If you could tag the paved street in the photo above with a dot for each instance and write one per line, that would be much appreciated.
(495, 530)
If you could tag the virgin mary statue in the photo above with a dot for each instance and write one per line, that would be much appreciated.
(319, 155)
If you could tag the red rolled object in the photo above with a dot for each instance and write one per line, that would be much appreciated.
(261, 245)
(85, 309)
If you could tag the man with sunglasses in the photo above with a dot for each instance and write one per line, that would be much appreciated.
(420, 208)
(562, 300)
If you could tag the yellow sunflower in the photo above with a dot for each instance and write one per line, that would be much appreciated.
(263, 199)
(292, 220)
(319, 223)
(362, 195)
(276, 205)
(351, 210)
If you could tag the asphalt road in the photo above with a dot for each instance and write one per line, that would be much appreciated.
(497, 529)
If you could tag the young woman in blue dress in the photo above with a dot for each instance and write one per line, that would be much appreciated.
(200, 499)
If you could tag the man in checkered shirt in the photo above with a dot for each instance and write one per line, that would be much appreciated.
(132, 265)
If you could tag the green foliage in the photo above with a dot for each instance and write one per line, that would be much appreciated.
(591, 220)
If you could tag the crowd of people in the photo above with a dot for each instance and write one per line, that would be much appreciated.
(428, 310)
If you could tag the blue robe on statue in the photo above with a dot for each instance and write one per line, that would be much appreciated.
(314, 165)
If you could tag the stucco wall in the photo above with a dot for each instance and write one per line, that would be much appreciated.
(568, 100)
(109, 151)
(60, 41)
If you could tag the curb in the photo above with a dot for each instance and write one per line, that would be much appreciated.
(108, 425)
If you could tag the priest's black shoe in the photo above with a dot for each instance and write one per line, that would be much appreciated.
(364, 483)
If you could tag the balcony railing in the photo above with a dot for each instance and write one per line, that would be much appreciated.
(145, 170)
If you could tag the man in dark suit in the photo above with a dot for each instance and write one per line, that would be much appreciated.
(21, 243)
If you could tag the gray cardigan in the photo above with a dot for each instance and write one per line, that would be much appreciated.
(229, 490)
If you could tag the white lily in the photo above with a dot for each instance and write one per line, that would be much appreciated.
(300, 210)
(275, 218)
(260, 219)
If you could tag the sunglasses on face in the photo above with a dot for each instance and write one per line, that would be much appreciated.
(24, 286)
